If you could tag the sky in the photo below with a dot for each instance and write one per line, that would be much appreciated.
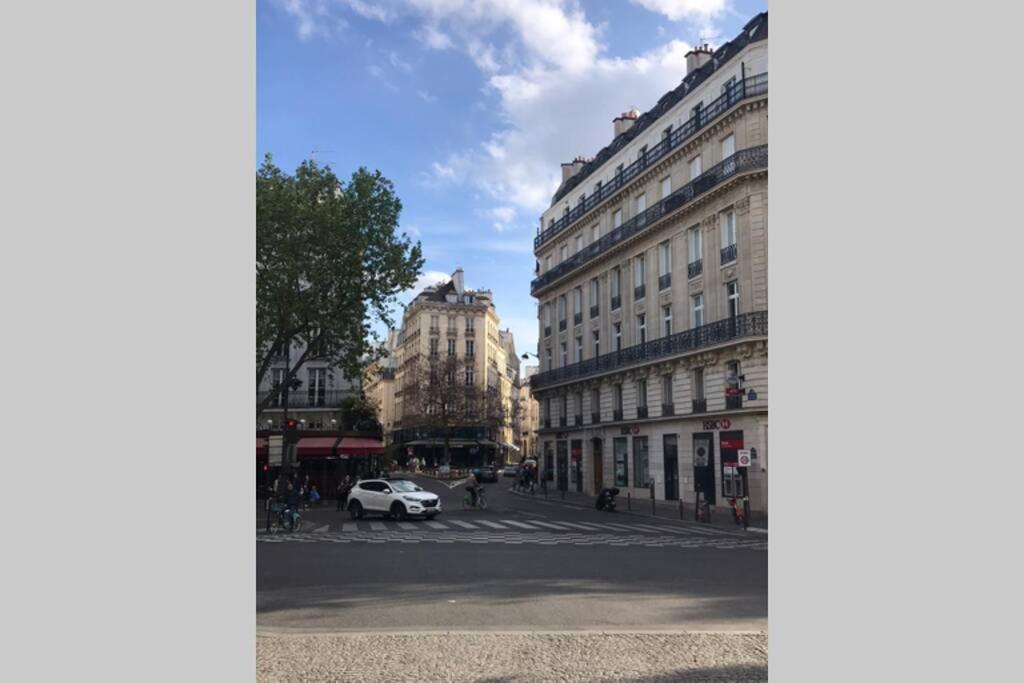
(469, 107)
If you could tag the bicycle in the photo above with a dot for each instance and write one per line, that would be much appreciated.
(481, 500)
(284, 517)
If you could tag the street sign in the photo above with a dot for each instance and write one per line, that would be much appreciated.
(743, 458)
(275, 448)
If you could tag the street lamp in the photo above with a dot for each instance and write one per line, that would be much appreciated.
(527, 354)
(334, 424)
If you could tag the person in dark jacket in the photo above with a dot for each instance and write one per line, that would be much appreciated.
(344, 486)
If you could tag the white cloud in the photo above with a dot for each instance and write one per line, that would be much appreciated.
(501, 216)
(434, 39)
(398, 63)
(677, 10)
(378, 73)
(426, 96)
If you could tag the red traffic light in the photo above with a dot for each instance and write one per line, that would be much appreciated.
(291, 424)
(266, 467)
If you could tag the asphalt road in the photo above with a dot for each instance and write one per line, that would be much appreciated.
(587, 571)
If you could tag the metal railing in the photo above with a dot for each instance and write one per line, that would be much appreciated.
(547, 330)
(694, 268)
(664, 281)
(616, 416)
(594, 311)
(745, 325)
(755, 86)
(639, 292)
(616, 303)
(750, 159)
(733, 402)
(641, 411)
(577, 318)
(595, 418)
(302, 398)
(700, 405)
(728, 254)
(668, 409)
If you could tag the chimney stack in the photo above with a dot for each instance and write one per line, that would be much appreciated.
(624, 121)
(572, 168)
(458, 281)
(697, 57)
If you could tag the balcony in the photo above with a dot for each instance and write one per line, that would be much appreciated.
(547, 421)
(547, 330)
(562, 421)
(594, 311)
(561, 326)
(733, 402)
(694, 268)
(452, 332)
(595, 418)
(755, 86)
(641, 412)
(639, 292)
(303, 398)
(387, 373)
(617, 415)
(700, 405)
(742, 326)
(470, 355)
(577, 420)
(728, 254)
(470, 332)
(577, 318)
(668, 409)
(616, 303)
(750, 159)
(664, 281)
(435, 330)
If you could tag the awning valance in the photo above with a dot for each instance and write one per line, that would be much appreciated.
(354, 445)
(315, 447)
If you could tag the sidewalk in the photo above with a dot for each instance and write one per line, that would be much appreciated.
(669, 510)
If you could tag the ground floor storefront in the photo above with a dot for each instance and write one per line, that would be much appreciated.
(679, 459)
(325, 459)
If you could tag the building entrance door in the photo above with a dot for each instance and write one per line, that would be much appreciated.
(598, 467)
(704, 466)
(671, 456)
(576, 457)
(563, 466)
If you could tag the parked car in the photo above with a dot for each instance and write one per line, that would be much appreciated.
(509, 471)
(487, 473)
(397, 498)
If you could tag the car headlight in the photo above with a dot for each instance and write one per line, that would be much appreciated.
(410, 499)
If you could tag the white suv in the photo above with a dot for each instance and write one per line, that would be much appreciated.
(398, 498)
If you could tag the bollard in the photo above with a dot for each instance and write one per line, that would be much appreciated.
(629, 505)
(654, 512)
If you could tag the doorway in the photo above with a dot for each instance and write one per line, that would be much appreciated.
(671, 457)
(576, 456)
(704, 466)
(562, 483)
(598, 467)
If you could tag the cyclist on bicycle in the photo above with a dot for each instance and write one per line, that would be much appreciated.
(472, 485)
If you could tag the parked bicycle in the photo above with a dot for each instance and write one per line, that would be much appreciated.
(481, 499)
(284, 517)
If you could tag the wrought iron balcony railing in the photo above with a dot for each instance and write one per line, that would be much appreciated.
(745, 325)
(728, 254)
(639, 292)
(577, 318)
(700, 405)
(750, 159)
(577, 420)
(595, 418)
(641, 411)
(616, 303)
(561, 325)
(755, 86)
(562, 421)
(594, 311)
(664, 281)
(303, 398)
(733, 402)
(616, 416)
(668, 409)
(694, 268)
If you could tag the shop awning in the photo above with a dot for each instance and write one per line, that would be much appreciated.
(262, 450)
(354, 445)
(454, 443)
(510, 445)
(315, 447)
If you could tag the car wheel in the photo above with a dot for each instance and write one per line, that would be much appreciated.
(398, 511)
(355, 510)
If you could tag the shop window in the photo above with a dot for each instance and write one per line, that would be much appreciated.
(620, 449)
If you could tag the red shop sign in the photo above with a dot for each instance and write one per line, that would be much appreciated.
(732, 443)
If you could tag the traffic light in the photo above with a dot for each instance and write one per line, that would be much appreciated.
(290, 425)
(291, 431)
(266, 468)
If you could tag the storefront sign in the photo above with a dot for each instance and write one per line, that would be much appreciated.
(701, 448)
(751, 395)
(732, 443)
(724, 423)
(743, 458)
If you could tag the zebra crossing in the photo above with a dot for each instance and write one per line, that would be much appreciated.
(518, 532)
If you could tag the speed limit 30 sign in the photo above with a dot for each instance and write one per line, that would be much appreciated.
(743, 458)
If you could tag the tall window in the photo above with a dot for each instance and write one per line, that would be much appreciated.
(639, 274)
(470, 324)
(434, 347)
(666, 186)
(547, 263)
(317, 386)
(550, 363)
(451, 323)
(621, 451)
(451, 347)
(666, 389)
(732, 374)
(564, 414)
(641, 393)
(547, 319)
(434, 322)
(732, 295)
(696, 244)
(579, 242)
(563, 253)
(595, 402)
(728, 229)
(698, 383)
(565, 358)
(597, 343)
(694, 167)
(617, 336)
(561, 312)
(578, 400)
(595, 233)
(641, 328)
(697, 310)
(666, 134)
(617, 218)
(666, 320)
(616, 287)
(595, 297)
(469, 376)
(577, 305)
(547, 412)
(664, 265)
(469, 348)
(728, 146)
(579, 349)
(641, 204)
(617, 398)
(277, 379)
(640, 462)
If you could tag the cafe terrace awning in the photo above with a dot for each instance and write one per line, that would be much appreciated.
(315, 447)
(354, 445)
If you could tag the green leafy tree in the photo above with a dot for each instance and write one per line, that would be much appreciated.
(329, 262)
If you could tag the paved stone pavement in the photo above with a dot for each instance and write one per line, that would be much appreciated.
(507, 657)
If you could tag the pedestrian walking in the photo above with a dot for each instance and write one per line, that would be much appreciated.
(344, 487)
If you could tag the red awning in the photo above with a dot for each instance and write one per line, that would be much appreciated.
(315, 447)
(353, 445)
(262, 450)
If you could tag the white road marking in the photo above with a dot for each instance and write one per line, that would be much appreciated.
(550, 525)
(436, 525)
(322, 529)
(493, 525)
(620, 527)
(585, 527)
(464, 525)
(522, 525)
(378, 526)
(409, 526)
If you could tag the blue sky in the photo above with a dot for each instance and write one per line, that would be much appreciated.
(469, 107)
